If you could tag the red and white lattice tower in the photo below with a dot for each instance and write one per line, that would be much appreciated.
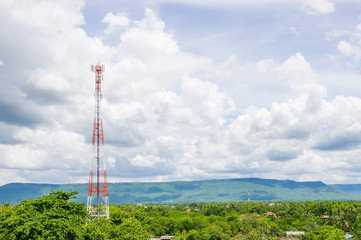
(98, 202)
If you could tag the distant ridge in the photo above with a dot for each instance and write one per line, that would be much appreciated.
(215, 190)
(349, 188)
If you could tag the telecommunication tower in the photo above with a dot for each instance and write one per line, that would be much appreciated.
(98, 201)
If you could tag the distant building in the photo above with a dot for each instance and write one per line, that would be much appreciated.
(282, 238)
(271, 213)
(162, 238)
(348, 236)
(294, 233)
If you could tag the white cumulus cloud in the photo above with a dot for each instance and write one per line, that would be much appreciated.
(168, 114)
(147, 161)
(319, 6)
(349, 50)
(115, 22)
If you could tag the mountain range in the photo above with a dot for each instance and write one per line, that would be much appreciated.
(216, 190)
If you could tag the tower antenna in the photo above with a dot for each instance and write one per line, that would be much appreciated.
(98, 201)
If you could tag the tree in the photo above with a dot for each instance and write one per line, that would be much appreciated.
(100, 228)
(51, 216)
(214, 232)
(262, 224)
(327, 233)
(253, 234)
(214, 209)
(132, 229)
(193, 235)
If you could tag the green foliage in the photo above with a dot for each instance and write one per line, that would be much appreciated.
(48, 217)
(132, 229)
(327, 233)
(99, 229)
(56, 216)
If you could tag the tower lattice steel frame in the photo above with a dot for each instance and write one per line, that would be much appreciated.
(98, 201)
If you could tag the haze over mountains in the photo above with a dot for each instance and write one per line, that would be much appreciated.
(217, 190)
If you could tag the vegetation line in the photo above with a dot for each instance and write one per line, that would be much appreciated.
(57, 216)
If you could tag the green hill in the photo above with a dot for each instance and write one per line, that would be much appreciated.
(349, 188)
(221, 190)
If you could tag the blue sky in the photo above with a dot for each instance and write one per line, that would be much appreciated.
(192, 89)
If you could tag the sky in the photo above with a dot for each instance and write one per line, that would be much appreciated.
(192, 90)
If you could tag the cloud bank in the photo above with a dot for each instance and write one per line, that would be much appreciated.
(168, 114)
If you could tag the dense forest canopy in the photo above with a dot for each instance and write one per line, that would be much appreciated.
(56, 216)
